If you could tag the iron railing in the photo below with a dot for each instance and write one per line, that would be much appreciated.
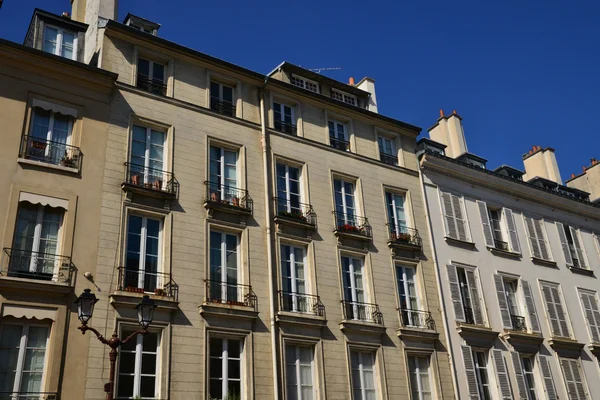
(285, 127)
(365, 312)
(228, 195)
(150, 178)
(295, 211)
(236, 294)
(339, 143)
(416, 318)
(518, 323)
(28, 396)
(500, 245)
(404, 235)
(222, 107)
(27, 264)
(47, 151)
(151, 85)
(301, 303)
(388, 158)
(139, 281)
(469, 315)
(347, 223)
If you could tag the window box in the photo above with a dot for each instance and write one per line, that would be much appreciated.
(229, 300)
(351, 225)
(141, 282)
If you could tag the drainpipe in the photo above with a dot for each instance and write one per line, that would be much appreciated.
(264, 139)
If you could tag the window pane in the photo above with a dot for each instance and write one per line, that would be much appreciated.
(144, 67)
(158, 72)
(233, 369)
(148, 386)
(126, 362)
(233, 349)
(50, 39)
(125, 388)
(67, 45)
(149, 364)
(41, 124)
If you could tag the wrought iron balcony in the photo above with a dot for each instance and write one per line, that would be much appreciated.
(339, 143)
(295, 211)
(47, 151)
(500, 245)
(138, 281)
(301, 303)
(234, 294)
(28, 396)
(26, 264)
(352, 224)
(285, 127)
(151, 85)
(150, 180)
(388, 158)
(518, 323)
(222, 107)
(416, 319)
(402, 235)
(228, 196)
(364, 312)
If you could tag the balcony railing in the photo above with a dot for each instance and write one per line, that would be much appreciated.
(339, 143)
(28, 396)
(47, 151)
(416, 319)
(235, 294)
(518, 323)
(346, 223)
(404, 235)
(37, 265)
(500, 245)
(151, 85)
(301, 303)
(228, 195)
(139, 281)
(388, 158)
(364, 312)
(295, 211)
(222, 107)
(285, 127)
(150, 178)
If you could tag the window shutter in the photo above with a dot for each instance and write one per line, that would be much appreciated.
(539, 231)
(533, 243)
(451, 229)
(579, 247)
(547, 375)
(573, 379)
(459, 311)
(485, 222)
(502, 302)
(470, 372)
(578, 378)
(502, 375)
(564, 243)
(476, 302)
(597, 238)
(521, 386)
(461, 223)
(554, 325)
(560, 313)
(590, 307)
(511, 227)
(533, 318)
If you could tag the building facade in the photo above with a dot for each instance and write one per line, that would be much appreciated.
(517, 257)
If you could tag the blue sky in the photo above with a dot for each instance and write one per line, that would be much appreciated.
(520, 73)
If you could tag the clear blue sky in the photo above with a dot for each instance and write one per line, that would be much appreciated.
(520, 73)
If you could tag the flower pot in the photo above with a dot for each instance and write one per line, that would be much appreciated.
(157, 184)
(135, 180)
(213, 196)
(236, 201)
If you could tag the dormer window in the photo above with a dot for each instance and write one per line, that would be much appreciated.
(305, 83)
(141, 24)
(60, 42)
(343, 97)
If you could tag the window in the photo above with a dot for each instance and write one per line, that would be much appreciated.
(338, 135)
(23, 354)
(556, 312)
(468, 306)
(288, 189)
(139, 366)
(455, 217)
(529, 377)
(60, 42)
(224, 270)
(225, 368)
(508, 301)
(397, 220)
(50, 137)
(36, 242)
(481, 370)
(299, 372)
(538, 241)
(573, 375)
(283, 118)
(147, 157)
(408, 297)
(221, 98)
(305, 83)
(354, 289)
(293, 279)
(572, 245)
(223, 174)
(343, 97)
(387, 153)
(420, 382)
(142, 262)
(499, 228)
(363, 375)
(591, 310)
(151, 76)
(345, 208)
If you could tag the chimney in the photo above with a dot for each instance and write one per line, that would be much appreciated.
(368, 85)
(588, 180)
(351, 81)
(541, 162)
(90, 12)
(449, 131)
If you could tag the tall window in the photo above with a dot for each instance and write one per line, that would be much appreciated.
(408, 296)
(225, 368)
(338, 135)
(455, 217)
(387, 153)
(299, 372)
(508, 301)
(151, 76)
(573, 374)
(345, 208)
(22, 357)
(420, 382)
(142, 263)
(221, 98)
(59, 42)
(288, 189)
(49, 136)
(572, 246)
(481, 371)
(283, 118)
(36, 241)
(147, 157)
(293, 277)
(592, 313)
(465, 294)
(223, 174)
(363, 375)
(224, 271)
(305, 83)
(557, 315)
(499, 228)
(529, 377)
(396, 214)
(139, 366)
(538, 241)
(354, 288)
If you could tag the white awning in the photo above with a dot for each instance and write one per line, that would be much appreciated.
(57, 108)
(44, 200)
(27, 312)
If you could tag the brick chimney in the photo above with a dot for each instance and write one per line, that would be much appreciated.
(89, 12)
(368, 85)
(588, 181)
(449, 131)
(541, 162)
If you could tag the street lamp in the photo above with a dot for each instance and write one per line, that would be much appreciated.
(85, 308)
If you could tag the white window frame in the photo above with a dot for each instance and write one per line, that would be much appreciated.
(59, 40)
(297, 297)
(225, 365)
(223, 265)
(531, 373)
(143, 237)
(151, 64)
(403, 281)
(344, 97)
(417, 371)
(137, 373)
(478, 369)
(304, 83)
(287, 184)
(381, 144)
(223, 187)
(361, 372)
(466, 292)
(282, 112)
(353, 270)
(335, 123)
(147, 168)
(344, 206)
(50, 134)
(561, 302)
(394, 217)
(219, 95)
(297, 369)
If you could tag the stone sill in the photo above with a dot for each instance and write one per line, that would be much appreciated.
(74, 171)
(297, 318)
(362, 327)
(458, 242)
(505, 253)
(546, 263)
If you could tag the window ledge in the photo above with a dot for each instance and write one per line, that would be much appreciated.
(594, 347)
(505, 253)
(525, 341)
(565, 344)
(458, 242)
(41, 164)
(582, 271)
(300, 319)
(362, 327)
(541, 261)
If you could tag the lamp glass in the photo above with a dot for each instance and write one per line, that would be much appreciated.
(145, 311)
(85, 305)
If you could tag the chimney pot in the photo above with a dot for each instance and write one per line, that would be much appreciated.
(572, 175)
(454, 112)
(441, 113)
(351, 81)
(66, 14)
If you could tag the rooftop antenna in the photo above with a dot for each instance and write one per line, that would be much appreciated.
(318, 70)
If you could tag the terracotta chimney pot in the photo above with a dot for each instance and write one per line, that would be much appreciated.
(441, 113)
(351, 81)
